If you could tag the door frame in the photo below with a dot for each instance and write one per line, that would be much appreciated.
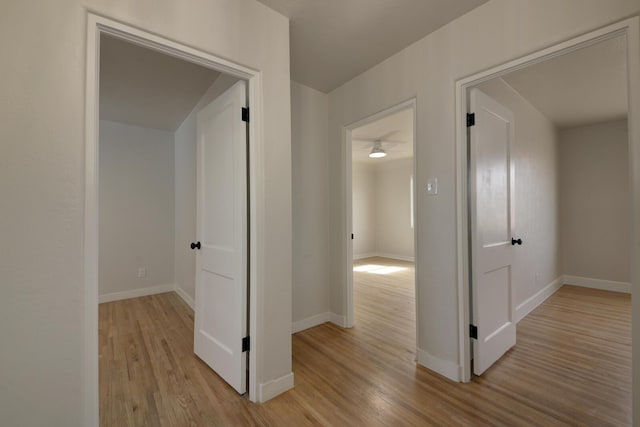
(628, 28)
(96, 26)
(349, 320)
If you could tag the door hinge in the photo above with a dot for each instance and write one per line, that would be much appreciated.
(473, 331)
(245, 344)
(351, 236)
(245, 114)
(471, 119)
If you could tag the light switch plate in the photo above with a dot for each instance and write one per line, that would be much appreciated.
(432, 186)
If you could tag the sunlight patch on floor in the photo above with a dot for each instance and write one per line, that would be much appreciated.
(378, 269)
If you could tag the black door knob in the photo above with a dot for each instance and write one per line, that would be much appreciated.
(195, 245)
(515, 241)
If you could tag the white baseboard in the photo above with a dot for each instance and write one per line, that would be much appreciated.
(538, 298)
(272, 388)
(338, 319)
(310, 322)
(185, 297)
(362, 256)
(384, 255)
(443, 367)
(135, 293)
(394, 256)
(605, 285)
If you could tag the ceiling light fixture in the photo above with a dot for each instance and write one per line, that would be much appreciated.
(377, 152)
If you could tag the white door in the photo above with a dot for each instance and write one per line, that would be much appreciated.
(490, 190)
(221, 261)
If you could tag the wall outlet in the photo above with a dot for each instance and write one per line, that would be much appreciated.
(142, 272)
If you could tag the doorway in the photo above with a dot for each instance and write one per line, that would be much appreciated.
(380, 213)
(99, 27)
(466, 191)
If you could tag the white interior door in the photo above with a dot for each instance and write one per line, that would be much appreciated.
(221, 261)
(490, 189)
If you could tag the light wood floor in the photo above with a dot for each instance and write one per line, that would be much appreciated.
(571, 366)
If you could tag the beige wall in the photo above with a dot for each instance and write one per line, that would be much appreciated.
(136, 207)
(536, 218)
(494, 33)
(42, 114)
(394, 235)
(309, 111)
(363, 200)
(596, 223)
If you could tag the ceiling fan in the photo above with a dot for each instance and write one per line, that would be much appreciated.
(379, 146)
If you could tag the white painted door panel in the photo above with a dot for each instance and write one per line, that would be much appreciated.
(221, 262)
(490, 189)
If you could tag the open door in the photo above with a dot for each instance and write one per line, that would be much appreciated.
(490, 189)
(221, 261)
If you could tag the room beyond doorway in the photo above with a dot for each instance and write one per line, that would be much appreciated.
(380, 211)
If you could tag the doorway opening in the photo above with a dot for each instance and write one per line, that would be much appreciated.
(148, 133)
(380, 211)
(540, 135)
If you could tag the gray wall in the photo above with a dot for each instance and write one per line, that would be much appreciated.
(136, 207)
(594, 186)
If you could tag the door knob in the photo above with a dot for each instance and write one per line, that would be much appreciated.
(195, 245)
(515, 241)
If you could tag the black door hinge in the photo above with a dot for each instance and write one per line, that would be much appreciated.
(471, 119)
(473, 331)
(245, 114)
(245, 344)
(351, 236)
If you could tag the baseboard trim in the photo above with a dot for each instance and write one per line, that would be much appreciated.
(538, 298)
(273, 388)
(383, 255)
(397, 257)
(338, 319)
(366, 255)
(185, 297)
(310, 322)
(605, 285)
(135, 293)
(443, 367)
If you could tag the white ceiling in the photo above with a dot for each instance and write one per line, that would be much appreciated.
(142, 87)
(396, 131)
(332, 41)
(586, 86)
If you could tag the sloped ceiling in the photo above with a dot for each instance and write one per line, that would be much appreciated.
(141, 87)
(584, 87)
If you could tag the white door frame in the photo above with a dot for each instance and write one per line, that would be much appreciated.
(97, 25)
(628, 28)
(348, 203)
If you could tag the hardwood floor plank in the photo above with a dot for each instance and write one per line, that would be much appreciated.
(571, 366)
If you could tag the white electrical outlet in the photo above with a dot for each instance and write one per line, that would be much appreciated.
(142, 272)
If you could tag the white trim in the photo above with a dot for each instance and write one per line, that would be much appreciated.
(365, 255)
(135, 293)
(338, 319)
(605, 285)
(310, 322)
(97, 25)
(348, 203)
(628, 27)
(185, 297)
(538, 298)
(397, 257)
(443, 367)
(383, 255)
(272, 388)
